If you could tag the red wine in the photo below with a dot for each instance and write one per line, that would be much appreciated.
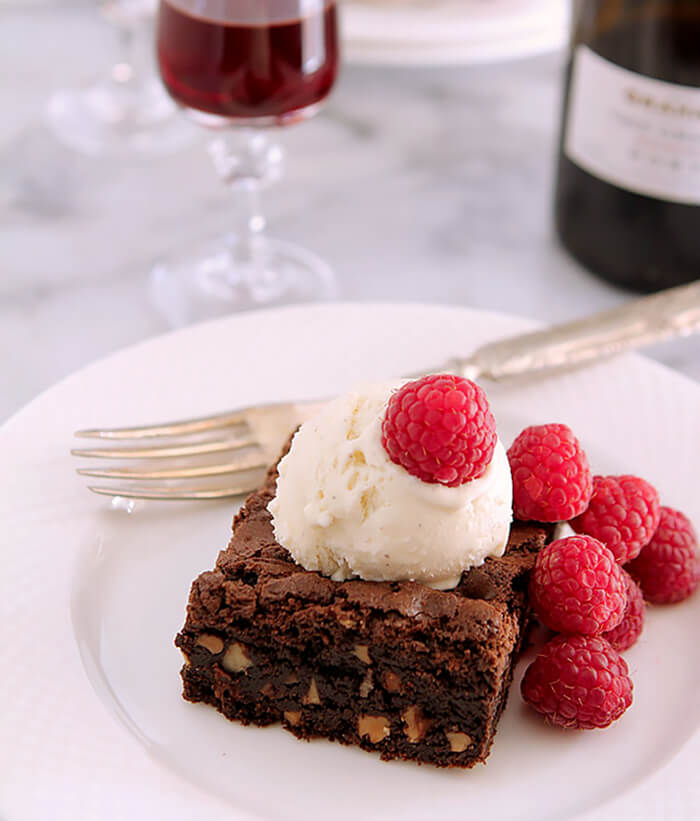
(233, 60)
(628, 190)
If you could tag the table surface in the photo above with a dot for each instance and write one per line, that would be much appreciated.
(415, 184)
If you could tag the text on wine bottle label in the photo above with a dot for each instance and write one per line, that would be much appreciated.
(632, 131)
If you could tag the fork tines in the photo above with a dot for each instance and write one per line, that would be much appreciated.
(190, 440)
(234, 448)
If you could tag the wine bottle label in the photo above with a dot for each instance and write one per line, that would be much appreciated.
(632, 131)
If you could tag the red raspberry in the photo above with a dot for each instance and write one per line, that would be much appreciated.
(668, 569)
(576, 586)
(623, 514)
(441, 429)
(551, 477)
(580, 682)
(630, 628)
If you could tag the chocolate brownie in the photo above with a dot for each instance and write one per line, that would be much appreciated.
(398, 668)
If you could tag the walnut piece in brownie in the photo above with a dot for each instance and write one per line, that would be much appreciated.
(394, 667)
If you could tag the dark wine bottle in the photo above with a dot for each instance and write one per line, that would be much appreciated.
(628, 187)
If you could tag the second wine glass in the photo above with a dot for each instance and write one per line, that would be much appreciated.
(125, 111)
(239, 67)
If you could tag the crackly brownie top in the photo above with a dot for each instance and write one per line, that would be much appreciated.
(256, 577)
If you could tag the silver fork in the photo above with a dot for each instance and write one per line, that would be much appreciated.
(243, 443)
(251, 438)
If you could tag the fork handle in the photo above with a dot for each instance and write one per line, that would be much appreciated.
(670, 313)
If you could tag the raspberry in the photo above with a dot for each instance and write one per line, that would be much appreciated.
(441, 429)
(576, 587)
(551, 477)
(667, 568)
(630, 628)
(623, 514)
(580, 682)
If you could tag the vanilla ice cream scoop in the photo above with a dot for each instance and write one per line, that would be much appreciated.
(343, 508)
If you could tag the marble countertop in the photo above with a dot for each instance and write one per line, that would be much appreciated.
(415, 184)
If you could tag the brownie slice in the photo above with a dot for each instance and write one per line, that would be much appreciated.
(398, 668)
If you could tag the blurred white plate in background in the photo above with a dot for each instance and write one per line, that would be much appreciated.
(424, 32)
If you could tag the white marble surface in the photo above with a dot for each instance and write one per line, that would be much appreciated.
(421, 185)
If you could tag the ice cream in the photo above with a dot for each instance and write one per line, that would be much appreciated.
(343, 508)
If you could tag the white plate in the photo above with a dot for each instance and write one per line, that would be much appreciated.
(91, 597)
(424, 32)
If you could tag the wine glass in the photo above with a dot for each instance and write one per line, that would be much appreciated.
(240, 67)
(127, 109)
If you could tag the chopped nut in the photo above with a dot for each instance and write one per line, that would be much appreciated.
(392, 683)
(367, 685)
(376, 728)
(212, 643)
(347, 621)
(312, 696)
(458, 741)
(362, 653)
(267, 690)
(293, 716)
(236, 658)
(416, 725)
(292, 678)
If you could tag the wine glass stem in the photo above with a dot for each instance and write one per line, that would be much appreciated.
(130, 70)
(252, 233)
(247, 161)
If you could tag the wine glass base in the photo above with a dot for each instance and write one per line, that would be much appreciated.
(109, 118)
(219, 279)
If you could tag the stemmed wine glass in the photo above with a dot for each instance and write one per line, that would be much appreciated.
(126, 109)
(239, 67)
